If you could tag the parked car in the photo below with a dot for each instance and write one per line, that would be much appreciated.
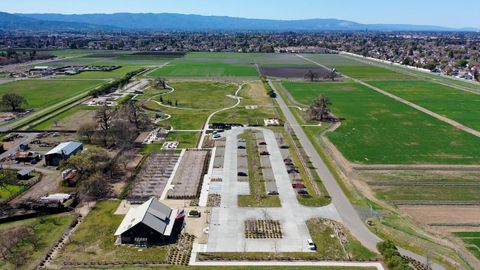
(217, 136)
(262, 143)
(241, 147)
(311, 245)
(194, 214)
(284, 147)
(272, 192)
(264, 153)
(302, 192)
(298, 185)
(242, 174)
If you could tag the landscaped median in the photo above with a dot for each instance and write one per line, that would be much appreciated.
(258, 196)
(334, 243)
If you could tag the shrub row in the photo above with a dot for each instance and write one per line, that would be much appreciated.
(269, 89)
(110, 87)
(392, 257)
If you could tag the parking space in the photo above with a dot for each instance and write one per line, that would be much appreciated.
(227, 225)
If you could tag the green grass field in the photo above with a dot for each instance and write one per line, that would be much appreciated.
(201, 95)
(472, 241)
(190, 69)
(9, 190)
(44, 93)
(455, 104)
(46, 229)
(185, 139)
(94, 240)
(379, 130)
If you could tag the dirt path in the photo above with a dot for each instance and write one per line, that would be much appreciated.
(411, 104)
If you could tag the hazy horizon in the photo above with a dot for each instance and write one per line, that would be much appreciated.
(428, 12)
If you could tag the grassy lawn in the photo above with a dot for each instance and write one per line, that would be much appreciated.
(44, 93)
(258, 196)
(181, 119)
(379, 130)
(185, 139)
(9, 190)
(455, 104)
(201, 95)
(253, 94)
(329, 247)
(184, 68)
(47, 230)
(94, 240)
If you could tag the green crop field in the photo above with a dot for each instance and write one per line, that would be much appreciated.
(430, 193)
(263, 59)
(334, 60)
(184, 68)
(356, 69)
(201, 95)
(472, 241)
(379, 130)
(44, 93)
(458, 105)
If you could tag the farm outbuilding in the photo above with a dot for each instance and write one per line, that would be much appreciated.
(62, 152)
(151, 223)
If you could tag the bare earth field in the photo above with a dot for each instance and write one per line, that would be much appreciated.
(443, 214)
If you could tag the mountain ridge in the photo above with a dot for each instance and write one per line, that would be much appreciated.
(191, 22)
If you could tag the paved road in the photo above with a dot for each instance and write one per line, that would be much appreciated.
(347, 213)
(406, 102)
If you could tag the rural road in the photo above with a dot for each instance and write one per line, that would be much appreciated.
(347, 213)
(411, 104)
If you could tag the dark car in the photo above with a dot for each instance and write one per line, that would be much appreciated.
(262, 143)
(302, 192)
(284, 147)
(242, 174)
(264, 153)
(241, 147)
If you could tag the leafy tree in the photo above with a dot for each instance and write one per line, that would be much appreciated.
(14, 101)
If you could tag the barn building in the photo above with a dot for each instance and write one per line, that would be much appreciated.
(62, 152)
(152, 223)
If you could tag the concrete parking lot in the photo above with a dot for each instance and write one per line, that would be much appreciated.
(226, 232)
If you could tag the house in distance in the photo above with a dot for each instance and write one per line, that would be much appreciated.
(152, 223)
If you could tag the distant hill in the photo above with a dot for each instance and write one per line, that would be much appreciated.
(171, 21)
(15, 22)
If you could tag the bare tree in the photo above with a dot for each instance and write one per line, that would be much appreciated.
(311, 75)
(87, 131)
(319, 110)
(104, 118)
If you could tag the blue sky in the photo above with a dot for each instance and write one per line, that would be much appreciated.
(453, 13)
